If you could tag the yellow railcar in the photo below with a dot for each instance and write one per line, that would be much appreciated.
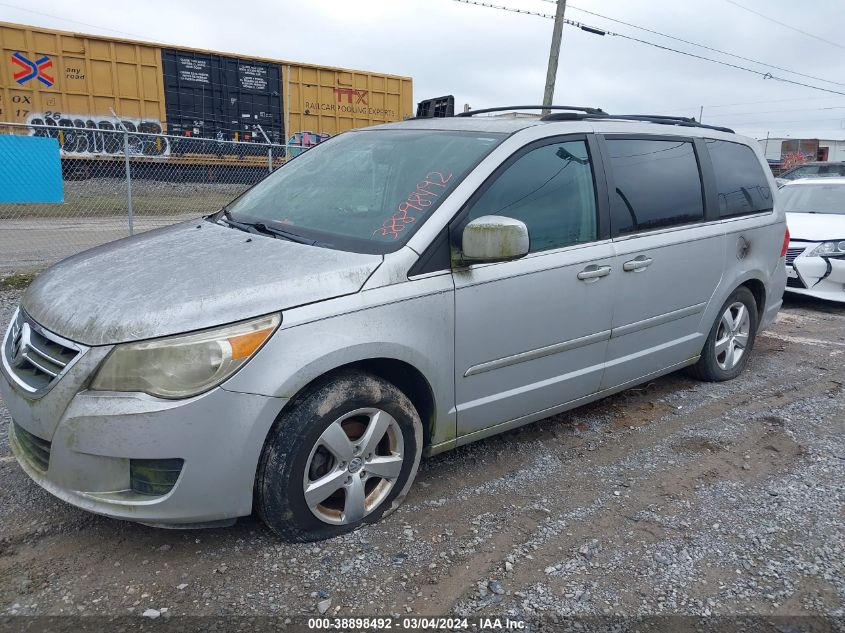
(97, 85)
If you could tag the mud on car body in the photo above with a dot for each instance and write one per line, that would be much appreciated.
(392, 292)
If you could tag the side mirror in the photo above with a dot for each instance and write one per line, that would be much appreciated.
(494, 238)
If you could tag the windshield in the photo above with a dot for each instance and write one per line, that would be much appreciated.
(815, 171)
(364, 191)
(828, 199)
(800, 172)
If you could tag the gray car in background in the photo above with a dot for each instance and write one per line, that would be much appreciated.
(820, 169)
(395, 291)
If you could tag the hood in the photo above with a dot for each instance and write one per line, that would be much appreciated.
(186, 277)
(815, 227)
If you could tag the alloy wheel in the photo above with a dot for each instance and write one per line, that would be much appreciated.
(353, 466)
(732, 336)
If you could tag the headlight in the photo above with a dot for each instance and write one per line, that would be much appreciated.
(185, 365)
(828, 249)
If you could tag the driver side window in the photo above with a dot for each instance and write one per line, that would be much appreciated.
(551, 189)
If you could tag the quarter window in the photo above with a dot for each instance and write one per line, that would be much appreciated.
(656, 184)
(550, 189)
(742, 185)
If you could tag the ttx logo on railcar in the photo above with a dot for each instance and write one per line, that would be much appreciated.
(349, 93)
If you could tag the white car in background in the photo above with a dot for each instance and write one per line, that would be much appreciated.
(815, 215)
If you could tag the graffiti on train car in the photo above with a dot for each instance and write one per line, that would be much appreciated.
(304, 140)
(98, 136)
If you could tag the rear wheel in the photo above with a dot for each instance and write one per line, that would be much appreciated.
(343, 455)
(731, 339)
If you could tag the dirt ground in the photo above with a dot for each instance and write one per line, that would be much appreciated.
(677, 497)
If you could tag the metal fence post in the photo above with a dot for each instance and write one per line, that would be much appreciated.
(179, 179)
(128, 173)
(269, 149)
(128, 180)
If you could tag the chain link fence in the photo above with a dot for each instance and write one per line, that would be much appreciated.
(119, 182)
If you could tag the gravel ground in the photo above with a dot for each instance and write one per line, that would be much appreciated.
(678, 497)
(169, 188)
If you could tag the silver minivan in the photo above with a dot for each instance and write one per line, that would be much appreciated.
(395, 291)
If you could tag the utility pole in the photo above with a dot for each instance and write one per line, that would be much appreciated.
(700, 113)
(554, 54)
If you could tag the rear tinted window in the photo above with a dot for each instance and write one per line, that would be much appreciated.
(656, 184)
(740, 180)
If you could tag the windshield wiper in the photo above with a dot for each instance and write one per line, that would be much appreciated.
(243, 226)
(264, 229)
(287, 235)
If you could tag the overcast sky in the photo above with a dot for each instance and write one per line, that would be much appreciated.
(488, 57)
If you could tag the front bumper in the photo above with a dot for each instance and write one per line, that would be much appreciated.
(820, 277)
(92, 439)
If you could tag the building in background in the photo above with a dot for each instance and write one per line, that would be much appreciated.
(776, 149)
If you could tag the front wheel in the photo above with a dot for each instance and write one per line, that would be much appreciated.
(731, 339)
(343, 455)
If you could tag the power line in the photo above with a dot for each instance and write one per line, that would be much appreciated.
(716, 61)
(704, 46)
(150, 40)
(598, 31)
(783, 24)
(763, 122)
(744, 103)
(93, 26)
(511, 9)
(735, 114)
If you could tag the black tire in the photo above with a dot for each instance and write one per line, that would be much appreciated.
(707, 368)
(279, 486)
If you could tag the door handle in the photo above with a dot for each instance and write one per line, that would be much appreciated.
(593, 273)
(637, 265)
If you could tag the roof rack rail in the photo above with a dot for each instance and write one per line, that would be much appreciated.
(646, 118)
(573, 116)
(585, 110)
(670, 120)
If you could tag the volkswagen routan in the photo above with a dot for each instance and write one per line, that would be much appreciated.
(393, 292)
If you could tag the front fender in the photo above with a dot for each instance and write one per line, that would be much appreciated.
(411, 322)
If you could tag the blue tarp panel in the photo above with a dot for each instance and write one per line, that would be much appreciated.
(30, 169)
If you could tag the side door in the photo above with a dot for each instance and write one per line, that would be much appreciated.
(669, 249)
(531, 334)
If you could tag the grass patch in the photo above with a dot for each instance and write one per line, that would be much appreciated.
(16, 280)
(114, 204)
